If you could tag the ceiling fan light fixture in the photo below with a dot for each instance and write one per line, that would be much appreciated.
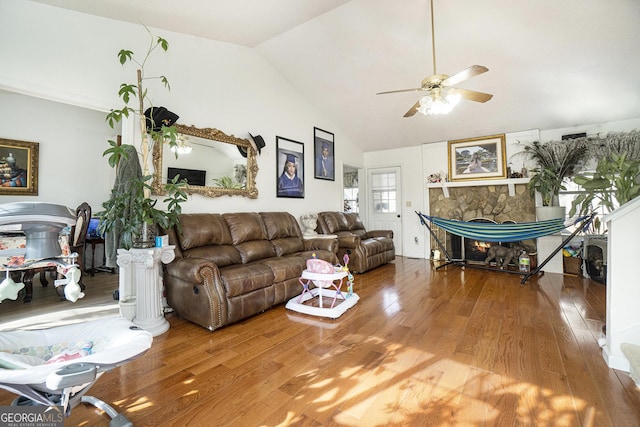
(440, 101)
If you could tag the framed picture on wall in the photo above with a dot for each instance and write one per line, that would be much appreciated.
(18, 167)
(323, 144)
(289, 168)
(477, 158)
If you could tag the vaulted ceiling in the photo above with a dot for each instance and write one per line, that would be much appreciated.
(552, 64)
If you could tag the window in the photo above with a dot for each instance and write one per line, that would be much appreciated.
(384, 192)
(350, 192)
(351, 200)
(566, 198)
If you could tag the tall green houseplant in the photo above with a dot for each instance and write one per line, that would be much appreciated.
(555, 161)
(131, 212)
(616, 179)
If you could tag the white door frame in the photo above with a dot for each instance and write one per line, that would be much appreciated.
(395, 223)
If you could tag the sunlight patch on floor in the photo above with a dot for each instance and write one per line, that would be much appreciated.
(66, 316)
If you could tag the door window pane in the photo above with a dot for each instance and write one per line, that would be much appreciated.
(384, 192)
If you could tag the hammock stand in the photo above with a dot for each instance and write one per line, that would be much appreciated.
(491, 232)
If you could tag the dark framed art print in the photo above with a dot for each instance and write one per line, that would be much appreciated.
(289, 168)
(325, 164)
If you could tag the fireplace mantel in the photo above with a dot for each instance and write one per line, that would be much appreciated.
(511, 183)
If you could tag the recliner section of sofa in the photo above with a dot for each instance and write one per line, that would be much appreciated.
(234, 265)
(367, 249)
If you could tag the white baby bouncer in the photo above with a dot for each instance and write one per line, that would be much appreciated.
(56, 367)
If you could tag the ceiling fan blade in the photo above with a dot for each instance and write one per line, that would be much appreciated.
(473, 95)
(413, 110)
(401, 90)
(465, 74)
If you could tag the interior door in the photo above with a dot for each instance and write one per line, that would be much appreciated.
(385, 201)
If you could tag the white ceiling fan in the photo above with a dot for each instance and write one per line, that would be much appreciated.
(442, 96)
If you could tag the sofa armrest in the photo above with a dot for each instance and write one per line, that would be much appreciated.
(379, 233)
(348, 240)
(191, 269)
(324, 244)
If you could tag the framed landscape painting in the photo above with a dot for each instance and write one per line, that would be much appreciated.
(18, 168)
(477, 158)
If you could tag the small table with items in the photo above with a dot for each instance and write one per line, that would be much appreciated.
(326, 285)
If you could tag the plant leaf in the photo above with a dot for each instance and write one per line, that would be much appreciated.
(124, 56)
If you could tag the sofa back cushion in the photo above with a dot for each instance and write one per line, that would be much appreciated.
(283, 231)
(203, 229)
(249, 236)
(355, 224)
(333, 222)
(206, 235)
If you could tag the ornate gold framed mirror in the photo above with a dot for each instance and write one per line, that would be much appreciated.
(213, 163)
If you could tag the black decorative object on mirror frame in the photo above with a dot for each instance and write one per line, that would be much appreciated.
(324, 154)
(257, 142)
(289, 168)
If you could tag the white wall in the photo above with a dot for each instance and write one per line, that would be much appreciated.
(410, 162)
(70, 139)
(418, 163)
(623, 290)
(71, 57)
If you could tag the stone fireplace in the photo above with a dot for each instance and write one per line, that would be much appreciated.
(497, 201)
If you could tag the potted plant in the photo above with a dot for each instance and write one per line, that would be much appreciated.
(227, 182)
(131, 211)
(555, 161)
(616, 179)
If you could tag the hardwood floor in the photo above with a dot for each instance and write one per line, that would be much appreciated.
(455, 347)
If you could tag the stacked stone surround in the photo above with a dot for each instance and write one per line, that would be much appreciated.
(491, 202)
(487, 201)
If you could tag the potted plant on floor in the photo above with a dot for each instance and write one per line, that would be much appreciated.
(131, 214)
(555, 161)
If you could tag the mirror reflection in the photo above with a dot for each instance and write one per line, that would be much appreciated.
(210, 160)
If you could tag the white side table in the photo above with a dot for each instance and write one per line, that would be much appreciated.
(141, 272)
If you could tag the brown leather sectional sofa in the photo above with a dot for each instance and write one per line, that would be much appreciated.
(234, 265)
(367, 249)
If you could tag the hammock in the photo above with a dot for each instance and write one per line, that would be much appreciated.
(492, 232)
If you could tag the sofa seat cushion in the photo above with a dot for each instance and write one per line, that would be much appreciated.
(241, 279)
(222, 255)
(285, 268)
(376, 246)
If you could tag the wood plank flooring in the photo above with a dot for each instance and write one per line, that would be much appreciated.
(421, 348)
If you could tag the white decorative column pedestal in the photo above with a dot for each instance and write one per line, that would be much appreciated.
(141, 273)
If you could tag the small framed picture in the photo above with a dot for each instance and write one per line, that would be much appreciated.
(323, 144)
(289, 168)
(18, 168)
(477, 158)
